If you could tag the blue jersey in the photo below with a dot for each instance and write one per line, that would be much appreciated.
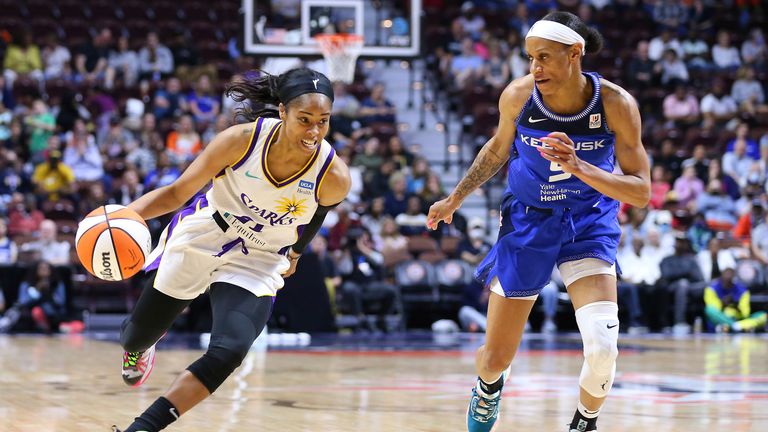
(538, 182)
(548, 216)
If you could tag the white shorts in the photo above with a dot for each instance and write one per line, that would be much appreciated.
(198, 253)
(570, 271)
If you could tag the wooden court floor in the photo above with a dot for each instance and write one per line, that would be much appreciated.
(72, 384)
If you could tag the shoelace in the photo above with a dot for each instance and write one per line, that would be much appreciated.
(483, 413)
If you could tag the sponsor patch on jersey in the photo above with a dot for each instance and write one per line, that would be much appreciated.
(303, 184)
(595, 120)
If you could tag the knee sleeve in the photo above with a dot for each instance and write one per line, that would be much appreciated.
(216, 365)
(599, 326)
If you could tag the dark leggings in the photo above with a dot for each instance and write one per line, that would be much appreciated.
(238, 318)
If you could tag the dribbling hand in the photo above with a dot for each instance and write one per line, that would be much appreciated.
(441, 211)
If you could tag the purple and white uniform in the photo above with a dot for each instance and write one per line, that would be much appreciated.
(265, 217)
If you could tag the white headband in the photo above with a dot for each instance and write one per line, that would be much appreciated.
(557, 32)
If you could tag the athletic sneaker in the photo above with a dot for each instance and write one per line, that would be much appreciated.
(115, 429)
(483, 408)
(137, 366)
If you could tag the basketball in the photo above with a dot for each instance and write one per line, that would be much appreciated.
(112, 242)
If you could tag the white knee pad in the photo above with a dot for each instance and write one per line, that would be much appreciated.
(599, 326)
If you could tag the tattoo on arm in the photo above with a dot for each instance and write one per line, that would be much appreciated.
(247, 131)
(486, 165)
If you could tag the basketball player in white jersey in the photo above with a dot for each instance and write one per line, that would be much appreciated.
(273, 181)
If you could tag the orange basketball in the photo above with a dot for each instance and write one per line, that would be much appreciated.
(112, 242)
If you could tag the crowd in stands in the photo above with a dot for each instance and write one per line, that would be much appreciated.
(106, 116)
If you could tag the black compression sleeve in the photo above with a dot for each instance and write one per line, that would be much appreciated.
(312, 228)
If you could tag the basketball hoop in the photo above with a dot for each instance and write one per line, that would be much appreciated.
(340, 52)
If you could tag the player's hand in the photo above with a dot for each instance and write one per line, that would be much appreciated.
(441, 211)
(293, 259)
(560, 149)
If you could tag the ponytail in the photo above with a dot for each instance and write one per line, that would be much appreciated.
(258, 97)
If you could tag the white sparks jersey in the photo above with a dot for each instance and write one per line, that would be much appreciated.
(268, 214)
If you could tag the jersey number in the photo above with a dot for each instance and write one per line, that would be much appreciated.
(556, 167)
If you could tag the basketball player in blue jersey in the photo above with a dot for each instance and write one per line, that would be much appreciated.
(561, 130)
(274, 180)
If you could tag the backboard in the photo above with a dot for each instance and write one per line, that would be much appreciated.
(390, 28)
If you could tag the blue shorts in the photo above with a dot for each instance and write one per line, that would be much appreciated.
(531, 241)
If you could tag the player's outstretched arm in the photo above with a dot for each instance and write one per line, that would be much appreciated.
(332, 191)
(224, 150)
(492, 156)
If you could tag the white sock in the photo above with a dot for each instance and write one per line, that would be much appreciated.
(587, 413)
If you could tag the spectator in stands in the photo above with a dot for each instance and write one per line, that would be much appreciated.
(737, 160)
(521, 21)
(719, 209)
(688, 187)
(715, 259)
(396, 200)
(754, 50)
(363, 289)
(328, 267)
(659, 186)
(750, 217)
(496, 71)
(724, 55)
(390, 236)
(748, 93)
(40, 125)
(13, 178)
(516, 57)
(640, 70)
(155, 59)
(164, 173)
(22, 59)
(370, 158)
(355, 175)
(663, 42)
(56, 59)
(669, 158)
(92, 196)
(373, 218)
(396, 151)
(466, 67)
(168, 101)
(70, 109)
(413, 221)
(130, 189)
(6, 118)
(220, 124)
(41, 304)
(470, 20)
(759, 243)
(701, 17)
(670, 14)
(728, 307)
(432, 192)
(82, 154)
(343, 114)
(47, 247)
(700, 162)
(671, 68)
(203, 103)
(681, 109)
(417, 177)
(186, 56)
(729, 185)
(184, 143)
(696, 51)
(376, 108)
(92, 57)
(23, 216)
(681, 276)
(123, 63)
(53, 178)
(8, 249)
(113, 142)
(717, 107)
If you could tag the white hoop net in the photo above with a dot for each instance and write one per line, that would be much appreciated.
(340, 53)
